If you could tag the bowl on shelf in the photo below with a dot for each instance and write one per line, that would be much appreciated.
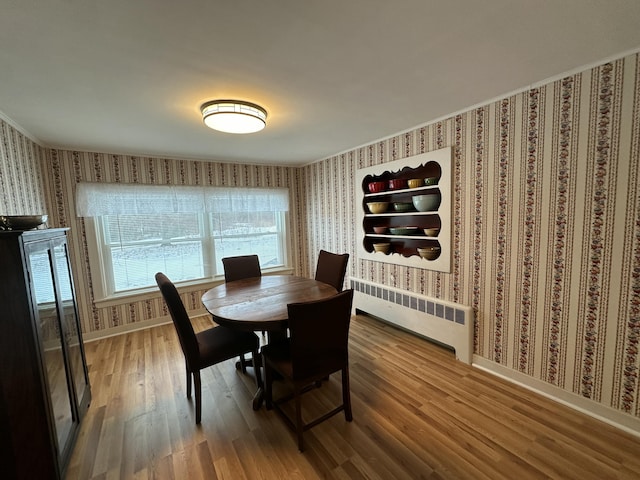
(414, 182)
(431, 181)
(431, 232)
(404, 230)
(381, 247)
(403, 206)
(426, 203)
(21, 222)
(376, 187)
(378, 229)
(430, 253)
(378, 207)
(397, 183)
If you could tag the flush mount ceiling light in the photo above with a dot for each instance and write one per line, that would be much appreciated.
(234, 116)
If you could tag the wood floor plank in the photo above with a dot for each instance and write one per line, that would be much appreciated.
(418, 413)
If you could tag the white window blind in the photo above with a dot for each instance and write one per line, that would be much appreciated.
(100, 199)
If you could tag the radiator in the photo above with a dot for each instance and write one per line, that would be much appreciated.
(447, 323)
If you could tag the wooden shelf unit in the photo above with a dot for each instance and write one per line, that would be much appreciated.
(403, 249)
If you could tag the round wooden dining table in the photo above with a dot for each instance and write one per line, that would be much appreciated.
(260, 304)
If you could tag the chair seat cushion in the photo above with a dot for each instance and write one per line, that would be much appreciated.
(278, 354)
(221, 343)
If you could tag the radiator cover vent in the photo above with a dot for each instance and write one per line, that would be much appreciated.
(445, 322)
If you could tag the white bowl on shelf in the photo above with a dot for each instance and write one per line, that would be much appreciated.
(426, 203)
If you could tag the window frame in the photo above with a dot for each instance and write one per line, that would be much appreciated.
(102, 270)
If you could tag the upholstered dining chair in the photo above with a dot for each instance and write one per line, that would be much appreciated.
(206, 348)
(331, 268)
(240, 267)
(316, 348)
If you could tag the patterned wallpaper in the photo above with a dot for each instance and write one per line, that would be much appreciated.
(67, 168)
(546, 219)
(21, 189)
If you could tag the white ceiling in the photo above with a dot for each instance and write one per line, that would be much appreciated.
(129, 76)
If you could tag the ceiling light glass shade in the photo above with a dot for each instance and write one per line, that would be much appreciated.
(232, 116)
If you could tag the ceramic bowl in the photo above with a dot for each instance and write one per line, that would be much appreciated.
(404, 230)
(431, 181)
(430, 253)
(378, 229)
(414, 182)
(376, 187)
(381, 247)
(378, 207)
(426, 203)
(403, 206)
(431, 232)
(397, 183)
(21, 222)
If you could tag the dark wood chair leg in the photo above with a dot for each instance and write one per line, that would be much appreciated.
(198, 387)
(188, 382)
(299, 424)
(346, 395)
(243, 364)
(268, 381)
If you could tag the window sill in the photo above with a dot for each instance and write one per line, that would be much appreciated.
(149, 293)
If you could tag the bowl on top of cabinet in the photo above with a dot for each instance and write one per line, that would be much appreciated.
(21, 222)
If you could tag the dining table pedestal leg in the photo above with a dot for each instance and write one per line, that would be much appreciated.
(258, 397)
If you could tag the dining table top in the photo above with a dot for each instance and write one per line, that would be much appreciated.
(260, 303)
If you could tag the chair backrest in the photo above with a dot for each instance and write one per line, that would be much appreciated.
(319, 334)
(331, 268)
(240, 267)
(181, 321)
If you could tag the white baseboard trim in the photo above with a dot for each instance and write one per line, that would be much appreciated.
(615, 418)
(132, 327)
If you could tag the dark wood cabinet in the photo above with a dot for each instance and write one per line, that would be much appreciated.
(45, 388)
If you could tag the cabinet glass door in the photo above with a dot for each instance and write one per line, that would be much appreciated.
(70, 322)
(50, 336)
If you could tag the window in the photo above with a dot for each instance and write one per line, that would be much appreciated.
(181, 231)
(247, 233)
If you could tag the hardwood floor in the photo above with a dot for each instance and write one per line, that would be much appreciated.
(418, 413)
